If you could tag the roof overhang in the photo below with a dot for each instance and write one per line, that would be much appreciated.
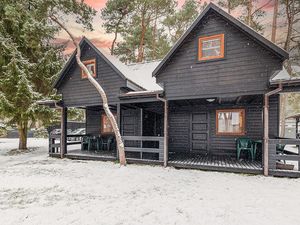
(50, 103)
(290, 82)
(141, 94)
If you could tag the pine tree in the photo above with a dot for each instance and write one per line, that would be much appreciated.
(115, 14)
(252, 15)
(180, 21)
(140, 29)
(230, 5)
(29, 63)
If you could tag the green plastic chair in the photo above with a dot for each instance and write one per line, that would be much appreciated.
(99, 142)
(245, 144)
(85, 143)
(280, 148)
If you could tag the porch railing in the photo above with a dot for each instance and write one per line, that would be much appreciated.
(54, 142)
(145, 144)
(284, 162)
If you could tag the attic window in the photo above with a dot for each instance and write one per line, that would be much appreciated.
(91, 66)
(211, 47)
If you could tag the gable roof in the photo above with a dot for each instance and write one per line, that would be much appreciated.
(115, 63)
(240, 25)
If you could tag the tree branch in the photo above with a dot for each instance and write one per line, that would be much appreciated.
(255, 11)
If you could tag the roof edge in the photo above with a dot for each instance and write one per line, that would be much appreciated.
(259, 38)
(84, 39)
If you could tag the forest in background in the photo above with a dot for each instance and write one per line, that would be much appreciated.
(145, 30)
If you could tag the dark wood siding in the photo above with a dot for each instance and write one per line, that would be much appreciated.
(79, 92)
(274, 116)
(93, 121)
(180, 126)
(246, 68)
(131, 122)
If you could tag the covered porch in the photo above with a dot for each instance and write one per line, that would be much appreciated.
(141, 127)
(205, 133)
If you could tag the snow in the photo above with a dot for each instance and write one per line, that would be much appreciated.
(37, 189)
(139, 73)
(281, 75)
(143, 74)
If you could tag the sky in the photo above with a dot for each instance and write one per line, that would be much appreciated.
(103, 40)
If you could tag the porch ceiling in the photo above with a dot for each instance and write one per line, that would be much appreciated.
(247, 99)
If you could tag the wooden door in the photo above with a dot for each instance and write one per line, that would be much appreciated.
(199, 132)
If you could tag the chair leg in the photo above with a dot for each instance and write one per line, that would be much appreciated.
(89, 145)
(238, 154)
(252, 155)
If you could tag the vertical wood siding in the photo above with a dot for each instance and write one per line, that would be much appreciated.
(180, 126)
(246, 68)
(93, 121)
(79, 92)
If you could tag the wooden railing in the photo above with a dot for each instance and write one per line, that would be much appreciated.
(277, 158)
(54, 142)
(139, 144)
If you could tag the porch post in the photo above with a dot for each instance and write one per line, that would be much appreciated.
(266, 135)
(63, 134)
(166, 135)
(119, 122)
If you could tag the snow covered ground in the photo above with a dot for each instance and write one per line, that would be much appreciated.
(37, 190)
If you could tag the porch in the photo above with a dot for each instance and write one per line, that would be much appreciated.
(215, 163)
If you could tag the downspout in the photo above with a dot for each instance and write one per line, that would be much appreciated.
(165, 128)
(266, 127)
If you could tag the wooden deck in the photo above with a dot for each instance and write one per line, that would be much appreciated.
(91, 155)
(215, 163)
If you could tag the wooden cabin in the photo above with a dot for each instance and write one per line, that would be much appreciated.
(216, 86)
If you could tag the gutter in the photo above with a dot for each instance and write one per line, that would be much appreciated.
(165, 101)
(266, 127)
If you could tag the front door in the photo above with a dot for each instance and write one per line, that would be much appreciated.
(199, 132)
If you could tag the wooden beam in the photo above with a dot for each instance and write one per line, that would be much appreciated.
(166, 134)
(238, 99)
(63, 135)
(119, 123)
(266, 127)
(266, 136)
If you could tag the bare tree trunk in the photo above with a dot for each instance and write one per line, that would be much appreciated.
(116, 36)
(142, 39)
(274, 23)
(154, 37)
(102, 93)
(229, 6)
(22, 130)
(249, 12)
(113, 43)
(290, 18)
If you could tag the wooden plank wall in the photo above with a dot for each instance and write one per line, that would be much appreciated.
(246, 68)
(179, 126)
(93, 121)
(79, 92)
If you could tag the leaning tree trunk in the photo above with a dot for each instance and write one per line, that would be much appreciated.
(102, 93)
(22, 130)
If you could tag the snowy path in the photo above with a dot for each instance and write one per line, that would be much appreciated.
(37, 190)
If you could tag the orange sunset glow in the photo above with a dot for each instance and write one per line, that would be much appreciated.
(103, 40)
